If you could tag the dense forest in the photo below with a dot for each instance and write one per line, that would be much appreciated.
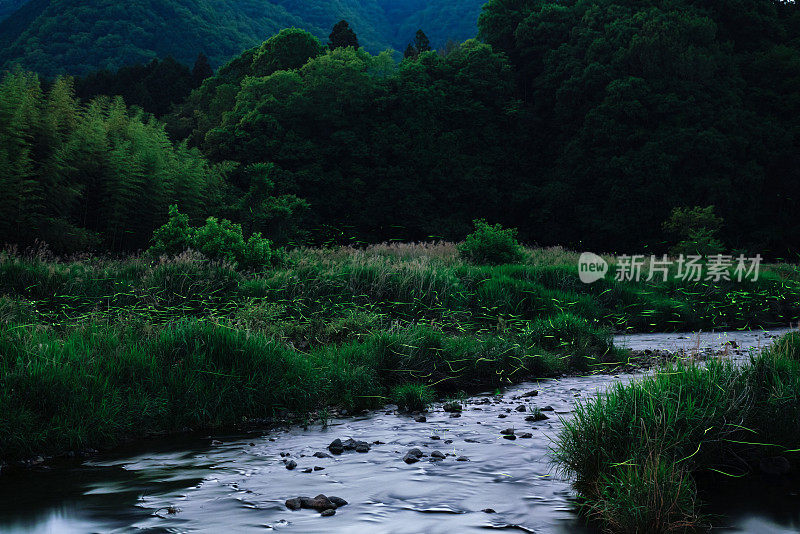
(76, 37)
(581, 123)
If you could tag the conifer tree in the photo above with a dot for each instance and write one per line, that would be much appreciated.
(343, 36)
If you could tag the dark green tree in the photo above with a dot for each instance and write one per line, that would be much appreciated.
(201, 70)
(343, 36)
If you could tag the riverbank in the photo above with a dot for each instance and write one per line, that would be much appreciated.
(99, 351)
(240, 482)
(639, 451)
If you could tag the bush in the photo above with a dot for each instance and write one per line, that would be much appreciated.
(218, 240)
(413, 397)
(491, 245)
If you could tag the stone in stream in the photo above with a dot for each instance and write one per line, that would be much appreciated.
(318, 468)
(462, 459)
(294, 504)
(338, 501)
(488, 511)
(421, 419)
(452, 407)
(502, 416)
(362, 446)
(307, 470)
(319, 503)
(548, 408)
(448, 441)
(413, 456)
(455, 414)
(510, 437)
(522, 408)
(532, 393)
(536, 417)
(507, 432)
(328, 513)
(291, 465)
(471, 440)
(437, 456)
(526, 435)
(435, 437)
(322, 455)
(336, 446)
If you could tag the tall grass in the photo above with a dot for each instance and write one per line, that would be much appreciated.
(636, 450)
(96, 350)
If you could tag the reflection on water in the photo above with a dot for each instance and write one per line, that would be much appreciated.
(239, 483)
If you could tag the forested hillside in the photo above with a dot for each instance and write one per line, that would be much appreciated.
(581, 123)
(75, 37)
(9, 6)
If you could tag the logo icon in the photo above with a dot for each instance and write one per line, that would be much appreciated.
(591, 268)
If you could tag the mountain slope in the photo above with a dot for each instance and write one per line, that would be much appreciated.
(9, 6)
(78, 36)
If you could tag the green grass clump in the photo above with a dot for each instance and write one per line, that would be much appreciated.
(491, 245)
(636, 450)
(413, 397)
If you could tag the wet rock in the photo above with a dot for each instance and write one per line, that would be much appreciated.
(378, 442)
(421, 419)
(307, 470)
(319, 503)
(532, 393)
(522, 408)
(438, 455)
(536, 417)
(362, 446)
(456, 414)
(462, 459)
(510, 437)
(448, 441)
(488, 511)
(294, 504)
(507, 432)
(502, 416)
(548, 408)
(775, 466)
(336, 446)
(291, 464)
(435, 437)
(349, 444)
(338, 501)
(452, 407)
(322, 455)
(328, 513)
(318, 468)
(285, 454)
(471, 440)
(413, 456)
(526, 435)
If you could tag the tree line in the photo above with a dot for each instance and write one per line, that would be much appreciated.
(580, 123)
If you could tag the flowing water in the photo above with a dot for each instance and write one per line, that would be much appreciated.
(240, 483)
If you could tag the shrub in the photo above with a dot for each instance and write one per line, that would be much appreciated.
(491, 245)
(413, 397)
(218, 240)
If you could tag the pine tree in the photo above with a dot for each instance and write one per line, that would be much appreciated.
(421, 42)
(202, 69)
(343, 36)
(411, 52)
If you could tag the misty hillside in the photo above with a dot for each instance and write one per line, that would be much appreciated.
(78, 36)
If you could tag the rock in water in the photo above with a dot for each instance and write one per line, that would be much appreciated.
(336, 446)
(291, 464)
(328, 513)
(295, 504)
(413, 456)
(452, 407)
(338, 501)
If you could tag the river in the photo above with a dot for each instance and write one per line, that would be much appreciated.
(240, 483)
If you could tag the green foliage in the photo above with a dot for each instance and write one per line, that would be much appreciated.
(78, 175)
(219, 240)
(343, 36)
(697, 229)
(636, 450)
(288, 50)
(491, 245)
(413, 397)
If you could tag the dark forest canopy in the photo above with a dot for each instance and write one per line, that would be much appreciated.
(581, 123)
(79, 36)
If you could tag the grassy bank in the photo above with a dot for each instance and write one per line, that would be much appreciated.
(637, 452)
(94, 351)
